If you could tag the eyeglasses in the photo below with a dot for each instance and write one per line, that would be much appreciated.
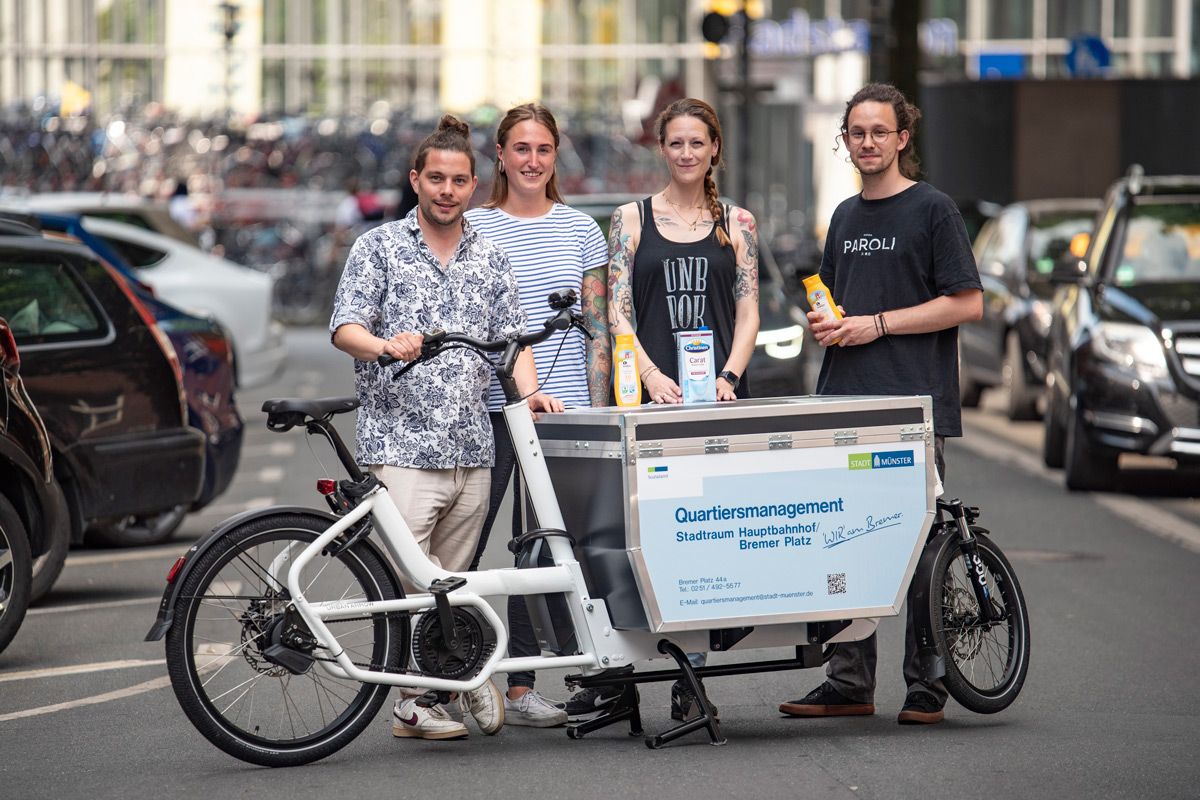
(879, 137)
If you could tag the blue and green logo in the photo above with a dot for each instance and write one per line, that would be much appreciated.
(894, 458)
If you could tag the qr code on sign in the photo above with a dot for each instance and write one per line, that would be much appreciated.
(837, 583)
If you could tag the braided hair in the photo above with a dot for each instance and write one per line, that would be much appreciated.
(691, 107)
(452, 134)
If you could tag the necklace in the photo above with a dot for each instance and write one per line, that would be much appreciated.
(691, 225)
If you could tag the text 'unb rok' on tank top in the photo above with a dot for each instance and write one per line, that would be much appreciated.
(683, 286)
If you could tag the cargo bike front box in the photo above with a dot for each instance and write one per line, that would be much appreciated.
(770, 518)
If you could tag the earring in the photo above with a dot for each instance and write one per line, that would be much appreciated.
(500, 163)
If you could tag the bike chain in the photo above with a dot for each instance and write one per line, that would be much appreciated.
(361, 665)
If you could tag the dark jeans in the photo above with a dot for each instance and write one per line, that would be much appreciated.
(851, 669)
(521, 640)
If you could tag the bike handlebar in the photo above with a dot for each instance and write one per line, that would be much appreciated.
(437, 340)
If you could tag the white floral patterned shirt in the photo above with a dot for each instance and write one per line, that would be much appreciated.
(435, 416)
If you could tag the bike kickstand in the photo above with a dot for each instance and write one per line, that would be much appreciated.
(704, 720)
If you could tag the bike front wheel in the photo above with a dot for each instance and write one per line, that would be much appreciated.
(234, 606)
(986, 662)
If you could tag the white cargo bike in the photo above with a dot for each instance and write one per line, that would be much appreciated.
(659, 531)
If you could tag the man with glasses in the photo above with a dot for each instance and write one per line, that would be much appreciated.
(898, 262)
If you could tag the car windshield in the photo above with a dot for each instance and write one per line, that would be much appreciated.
(1162, 242)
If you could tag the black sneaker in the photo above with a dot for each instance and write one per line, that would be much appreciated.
(591, 702)
(826, 701)
(921, 708)
(683, 702)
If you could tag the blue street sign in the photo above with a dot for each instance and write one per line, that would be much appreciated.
(1088, 56)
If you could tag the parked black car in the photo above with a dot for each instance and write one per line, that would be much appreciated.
(1124, 354)
(29, 496)
(1016, 251)
(106, 380)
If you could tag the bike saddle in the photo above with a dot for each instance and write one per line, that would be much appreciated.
(285, 412)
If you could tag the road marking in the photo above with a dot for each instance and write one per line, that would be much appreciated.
(270, 475)
(146, 554)
(141, 601)
(78, 669)
(148, 686)
(273, 449)
(1144, 515)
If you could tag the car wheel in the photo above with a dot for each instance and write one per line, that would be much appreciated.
(1019, 397)
(1086, 468)
(141, 529)
(16, 570)
(1054, 435)
(48, 566)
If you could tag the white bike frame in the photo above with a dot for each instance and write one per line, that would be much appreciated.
(601, 646)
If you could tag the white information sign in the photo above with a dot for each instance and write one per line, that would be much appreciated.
(754, 534)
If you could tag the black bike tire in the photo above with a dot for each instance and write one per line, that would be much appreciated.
(378, 583)
(1002, 580)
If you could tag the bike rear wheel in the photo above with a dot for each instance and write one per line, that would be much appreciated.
(986, 662)
(232, 607)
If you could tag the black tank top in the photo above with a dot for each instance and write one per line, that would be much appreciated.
(683, 286)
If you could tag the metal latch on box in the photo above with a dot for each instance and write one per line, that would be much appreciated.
(716, 446)
(845, 437)
(650, 450)
(912, 433)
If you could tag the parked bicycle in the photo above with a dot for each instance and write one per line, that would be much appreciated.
(286, 626)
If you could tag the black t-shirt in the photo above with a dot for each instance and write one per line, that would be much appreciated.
(683, 286)
(898, 252)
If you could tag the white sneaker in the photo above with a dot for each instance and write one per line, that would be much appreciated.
(533, 710)
(412, 721)
(486, 705)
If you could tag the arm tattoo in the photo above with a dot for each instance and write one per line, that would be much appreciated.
(747, 270)
(619, 267)
(595, 313)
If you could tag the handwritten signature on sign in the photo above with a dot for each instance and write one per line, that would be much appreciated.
(844, 533)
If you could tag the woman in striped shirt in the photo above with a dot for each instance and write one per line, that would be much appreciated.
(552, 247)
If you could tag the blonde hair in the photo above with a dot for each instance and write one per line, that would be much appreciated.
(523, 113)
(691, 107)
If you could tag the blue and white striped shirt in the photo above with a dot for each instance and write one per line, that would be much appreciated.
(548, 254)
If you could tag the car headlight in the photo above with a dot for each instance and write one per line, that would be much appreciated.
(1132, 346)
(781, 343)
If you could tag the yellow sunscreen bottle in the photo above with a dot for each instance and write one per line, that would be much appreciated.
(821, 300)
(627, 385)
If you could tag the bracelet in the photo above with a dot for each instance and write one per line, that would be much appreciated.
(878, 334)
(649, 371)
(883, 323)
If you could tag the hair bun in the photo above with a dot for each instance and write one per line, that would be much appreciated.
(452, 123)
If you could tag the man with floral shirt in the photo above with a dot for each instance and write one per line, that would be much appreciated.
(426, 435)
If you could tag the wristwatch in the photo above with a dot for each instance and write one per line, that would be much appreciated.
(732, 377)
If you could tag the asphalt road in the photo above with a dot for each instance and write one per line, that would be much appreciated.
(1111, 708)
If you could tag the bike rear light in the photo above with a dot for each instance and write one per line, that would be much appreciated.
(174, 573)
(326, 486)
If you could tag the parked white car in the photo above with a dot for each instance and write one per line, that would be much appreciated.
(187, 277)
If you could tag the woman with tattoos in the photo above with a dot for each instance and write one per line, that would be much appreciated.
(681, 260)
(552, 247)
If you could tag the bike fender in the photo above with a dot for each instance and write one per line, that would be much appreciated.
(166, 608)
(929, 661)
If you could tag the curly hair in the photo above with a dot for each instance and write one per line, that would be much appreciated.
(691, 107)
(906, 120)
(525, 112)
(452, 134)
